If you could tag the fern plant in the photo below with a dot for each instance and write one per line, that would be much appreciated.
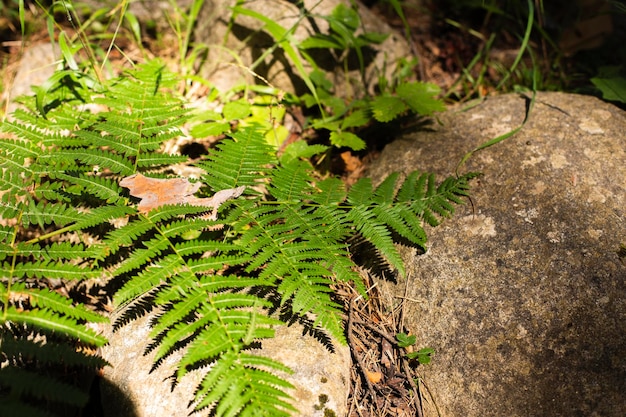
(214, 281)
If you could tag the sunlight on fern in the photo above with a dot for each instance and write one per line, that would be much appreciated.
(212, 283)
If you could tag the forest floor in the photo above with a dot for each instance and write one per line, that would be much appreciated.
(384, 381)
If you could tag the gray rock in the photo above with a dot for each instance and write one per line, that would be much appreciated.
(130, 389)
(321, 377)
(232, 49)
(36, 65)
(522, 294)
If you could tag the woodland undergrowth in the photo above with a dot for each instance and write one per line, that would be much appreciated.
(213, 275)
(89, 198)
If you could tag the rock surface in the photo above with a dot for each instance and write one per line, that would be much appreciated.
(232, 49)
(321, 377)
(522, 294)
(36, 66)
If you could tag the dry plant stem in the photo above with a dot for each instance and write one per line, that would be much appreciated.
(414, 387)
(404, 363)
(362, 369)
(430, 394)
(389, 338)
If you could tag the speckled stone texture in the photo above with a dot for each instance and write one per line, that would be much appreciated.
(523, 294)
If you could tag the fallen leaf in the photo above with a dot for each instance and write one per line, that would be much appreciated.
(374, 377)
(156, 192)
(351, 162)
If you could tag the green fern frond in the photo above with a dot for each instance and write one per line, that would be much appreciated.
(361, 192)
(39, 376)
(400, 208)
(98, 136)
(100, 215)
(78, 183)
(224, 323)
(209, 280)
(299, 262)
(386, 190)
(25, 383)
(54, 322)
(85, 159)
(54, 270)
(291, 182)
(170, 211)
(148, 278)
(330, 192)
(46, 299)
(186, 226)
(57, 161)
(368, 224)
(15, 145)
(434, 202)
(45, 352)
(243, 160)
(126, 235)
(143, 255)
(200, 246)
(43, 214)
(228, 385)
(7, 235)
(193, 299)
(55, 251)
(153, 159)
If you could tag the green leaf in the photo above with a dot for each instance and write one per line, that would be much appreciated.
(421, 97)
(322, 41)
(210, 129)
(611, 83)
(301, 149)
(343, 19)
(357, 118)
(347, 139)
(234, 110)
(369, 38)
(422, 355)
(385, 108)
(134, 26)
(405, 340)
(45, 319)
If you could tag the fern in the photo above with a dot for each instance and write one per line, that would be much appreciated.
(212, 283)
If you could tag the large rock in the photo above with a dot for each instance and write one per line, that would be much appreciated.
(321, 374)
(234, 45)
(523, 294)
(35, 67)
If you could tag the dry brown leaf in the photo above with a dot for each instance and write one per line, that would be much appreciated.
(374, 377)
(155, 192)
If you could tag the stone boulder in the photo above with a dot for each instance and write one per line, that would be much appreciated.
(321, 374)
(234, 46)
(522, 293)
(35, 67)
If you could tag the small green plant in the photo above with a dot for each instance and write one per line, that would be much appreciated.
(342, 118)
(611, 82)
(345, 117)
(423, 355)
